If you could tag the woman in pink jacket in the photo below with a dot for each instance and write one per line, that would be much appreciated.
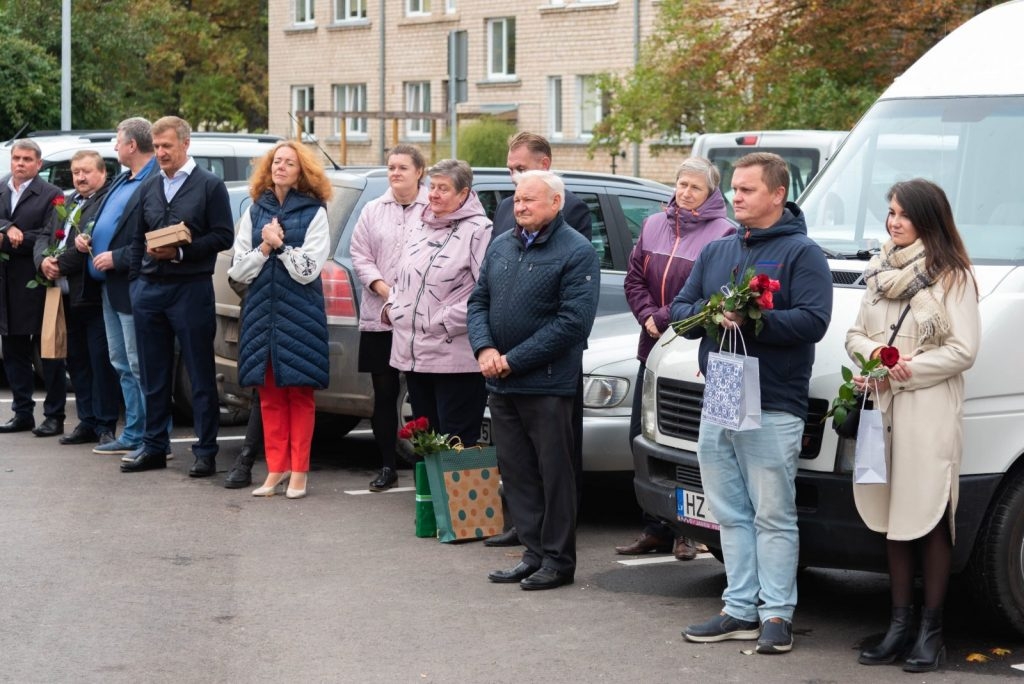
(377, 243)
(439, 266)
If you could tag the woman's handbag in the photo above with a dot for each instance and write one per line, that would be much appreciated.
(848, 428)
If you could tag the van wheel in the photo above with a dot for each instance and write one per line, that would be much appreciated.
(996, 569)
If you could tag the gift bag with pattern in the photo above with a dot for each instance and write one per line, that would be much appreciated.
(732, 388)
(464, 488)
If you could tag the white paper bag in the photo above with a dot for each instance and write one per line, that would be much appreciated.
(869, 457)
(732, 391)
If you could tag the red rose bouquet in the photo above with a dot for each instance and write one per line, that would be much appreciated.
(849, 399)
(750, 299)
(417, 438)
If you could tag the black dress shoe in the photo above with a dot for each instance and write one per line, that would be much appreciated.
(509, 537)
(512, 575)
(205, 466)
(240, 474)
(143, 460)
(82, 434)
(19, 423)
(385, 481)
(546, 578)
(51, 427)
(105, 437)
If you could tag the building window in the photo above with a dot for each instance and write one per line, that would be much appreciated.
(449, 7)
(591, 105)
(417, 99)
(416, 8)
(501, 47)
(304, 11)
(349, 10)
(350, 97)
(302, 101)
(555, 106)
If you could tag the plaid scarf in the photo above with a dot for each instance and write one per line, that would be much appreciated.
(899, 273)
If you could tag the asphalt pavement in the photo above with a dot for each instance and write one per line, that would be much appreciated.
(156, 577)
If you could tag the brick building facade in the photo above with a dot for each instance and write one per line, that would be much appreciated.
(529, 61)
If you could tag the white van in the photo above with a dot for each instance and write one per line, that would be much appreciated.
(229, 155)
(955, 117)
(805, 152)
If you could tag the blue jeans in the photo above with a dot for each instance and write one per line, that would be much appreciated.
(124, 357)
(750, 481)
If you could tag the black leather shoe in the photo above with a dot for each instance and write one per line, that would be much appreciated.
(509, 537)
(51, 427)
(18, 423)
(385, 481)
(240, 474)
(205, 466)
(105, 437)
(143, 460)
(82, 434)
(546, 578)
(512, 575)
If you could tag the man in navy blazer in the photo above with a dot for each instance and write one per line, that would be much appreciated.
(26, 205)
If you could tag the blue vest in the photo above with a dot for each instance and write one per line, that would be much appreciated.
(282, 320)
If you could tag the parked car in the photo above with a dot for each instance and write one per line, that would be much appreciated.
(618, 206)
(229, 155)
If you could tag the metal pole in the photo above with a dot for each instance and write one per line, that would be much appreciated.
(636, 63)
(382, 143)
(452, 86)
(65, 65)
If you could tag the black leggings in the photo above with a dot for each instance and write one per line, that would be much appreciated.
(386, 388)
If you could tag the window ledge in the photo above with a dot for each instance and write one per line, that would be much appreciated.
(420, 19)
(300, 28)
(349, 24)
(513, 81)
(577, 5)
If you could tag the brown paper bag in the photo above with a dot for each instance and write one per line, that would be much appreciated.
(54, 342)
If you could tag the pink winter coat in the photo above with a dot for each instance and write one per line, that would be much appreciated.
(376, 248)
(439, 267)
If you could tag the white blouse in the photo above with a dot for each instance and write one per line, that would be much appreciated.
(302, 263)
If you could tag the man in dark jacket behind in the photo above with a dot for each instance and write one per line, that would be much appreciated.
(750, 476)
(172, 295)
(529, 318)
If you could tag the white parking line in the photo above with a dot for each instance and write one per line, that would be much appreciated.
(1018, 667)
(654, 560)
(360, 492)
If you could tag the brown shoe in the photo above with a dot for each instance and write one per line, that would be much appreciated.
(684, 549)
(645, 543)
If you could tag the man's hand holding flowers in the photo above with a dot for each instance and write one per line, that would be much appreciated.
(731, 307)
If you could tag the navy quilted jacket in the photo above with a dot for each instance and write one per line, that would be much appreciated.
(283, 320)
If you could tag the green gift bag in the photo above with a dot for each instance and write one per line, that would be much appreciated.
(426, 525)
(464, 488)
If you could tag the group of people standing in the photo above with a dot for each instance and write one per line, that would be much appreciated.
(466, 308)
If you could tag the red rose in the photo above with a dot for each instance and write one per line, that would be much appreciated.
(890, 356)
(422, 423)
(774, 285)
(59, 235)
(755, 284)
(58, 200)
(765, 300)
(405, 433)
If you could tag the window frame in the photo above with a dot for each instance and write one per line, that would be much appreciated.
(417, 99)
(309, 104)
(556, 107)
(308, 13)
(507, 69)
(583, 102)
(346, 7)
(417, 8)
(341, 95)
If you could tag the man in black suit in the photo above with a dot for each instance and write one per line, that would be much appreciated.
(532, 152)
(172, 295)
(96, 397)
(26, 205)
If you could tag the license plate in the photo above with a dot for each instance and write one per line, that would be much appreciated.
(692, 508)
(485, 432)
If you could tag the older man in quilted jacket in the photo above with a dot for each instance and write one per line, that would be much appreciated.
(529, 318)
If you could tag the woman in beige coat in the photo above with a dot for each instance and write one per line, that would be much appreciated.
(924, 266)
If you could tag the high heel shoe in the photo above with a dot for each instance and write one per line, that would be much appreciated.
(270, 490)
(295, 493)
(929, 651)
(897, 640)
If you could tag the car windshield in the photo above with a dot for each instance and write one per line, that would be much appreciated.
(972, 147)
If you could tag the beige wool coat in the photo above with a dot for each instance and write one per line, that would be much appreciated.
(923, 417)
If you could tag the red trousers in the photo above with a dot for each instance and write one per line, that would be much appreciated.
(288, 417)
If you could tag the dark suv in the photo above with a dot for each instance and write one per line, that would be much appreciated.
(618, 206)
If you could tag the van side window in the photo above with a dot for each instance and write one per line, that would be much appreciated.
(211, 164)
(636, 210)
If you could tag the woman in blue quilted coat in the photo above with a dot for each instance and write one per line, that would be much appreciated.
(280, 247)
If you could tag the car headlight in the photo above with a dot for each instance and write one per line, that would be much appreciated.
(649, 412)
(601, 391)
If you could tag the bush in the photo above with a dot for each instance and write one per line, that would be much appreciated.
(485, 142)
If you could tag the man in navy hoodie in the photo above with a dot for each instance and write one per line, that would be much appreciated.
(749, 477)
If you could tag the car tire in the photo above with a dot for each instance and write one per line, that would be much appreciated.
(995, 572)
(182, 394)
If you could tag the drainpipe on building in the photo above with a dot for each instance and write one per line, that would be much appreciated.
(382, 107)
(636, 63)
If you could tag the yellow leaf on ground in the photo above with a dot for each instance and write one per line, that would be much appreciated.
(977, 658)
(1000, 651)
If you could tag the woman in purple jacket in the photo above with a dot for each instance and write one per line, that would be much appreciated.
(659, 265)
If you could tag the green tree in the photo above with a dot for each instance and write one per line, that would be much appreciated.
(485, 142)
(770, 64)
(32, 74)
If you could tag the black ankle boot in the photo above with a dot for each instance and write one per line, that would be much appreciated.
(240, 474)
(896, 642)
(928, 651)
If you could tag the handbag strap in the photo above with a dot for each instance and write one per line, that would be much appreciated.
(896, 328)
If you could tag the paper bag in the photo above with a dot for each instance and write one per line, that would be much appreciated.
(426, 523)
(732, 391)
(171, 236)
(464, 488)
(869, 456)
(53, 343)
